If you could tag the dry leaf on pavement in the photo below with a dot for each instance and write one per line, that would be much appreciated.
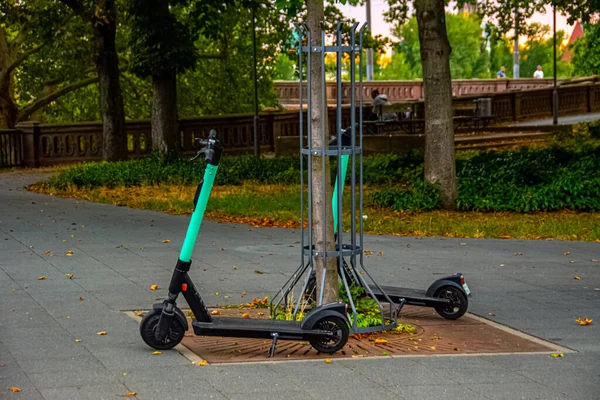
(166, 241)
(577, 278)
(130, 394)
(327, 361)
(41, 278)
(153, 287)
(584, 322)
(156, 353)
(556, 355)
(215, 312)
(101, 333)
(15, 389)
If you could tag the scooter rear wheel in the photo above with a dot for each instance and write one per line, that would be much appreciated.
(148, 327)
(340, 332)
(459, 302)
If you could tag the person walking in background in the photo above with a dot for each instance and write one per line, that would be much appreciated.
(502, 73)
(379, 101)
(538, 74)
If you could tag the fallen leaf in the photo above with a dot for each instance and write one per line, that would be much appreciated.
(505, 237)
(69, 253)
(130, 394)
(577, 278)
(260, 314)
(215, 312)
(124, 373)
(243, 293)
(153, 287)
(456, 349)
(138, 313)
(47, 252)
(572, 261)
(380, 341)
(80, 298)
(166, 241)
(216, 293)
(234, 267)
(15, 389)
(381, 253)
(78, 340)
(386, 353)
(327, 361)
(584, 322)
(491, 314)
(463, 244)
(432, 347)
(156, 353)
(201, 363)
(567, 253)
(68, 317)
(556, 355)
(102, 333)
(502, 265)
(41, 278)
(70, 276)
(595, 261)
(258, 272)
(245, 315)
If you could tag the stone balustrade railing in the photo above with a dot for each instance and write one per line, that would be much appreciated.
(32, 144)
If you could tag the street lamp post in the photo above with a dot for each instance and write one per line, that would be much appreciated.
(555, 91)
(369, 50)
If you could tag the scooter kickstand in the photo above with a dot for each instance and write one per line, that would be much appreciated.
(272, 349)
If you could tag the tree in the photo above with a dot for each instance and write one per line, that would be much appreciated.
(586, 51)
(440, 167)
(101, 16)
(539, 50)
(40, 60)
(162, 47)
(469, 57)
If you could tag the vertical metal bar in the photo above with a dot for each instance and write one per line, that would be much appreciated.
(300, 34)
(338, 133)
(555, 90)
(255, 76)
(353, 141)
(310, 149)
(324, 115)
(360, 135)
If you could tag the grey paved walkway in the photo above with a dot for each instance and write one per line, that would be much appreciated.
(119, 253)
(568, 120)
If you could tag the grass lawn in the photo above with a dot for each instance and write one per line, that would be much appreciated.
(278, 205)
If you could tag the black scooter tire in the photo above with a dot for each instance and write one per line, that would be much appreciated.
(334, 324)
(148, 326)
(458, 296)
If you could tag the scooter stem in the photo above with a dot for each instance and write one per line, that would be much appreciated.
(196, 221)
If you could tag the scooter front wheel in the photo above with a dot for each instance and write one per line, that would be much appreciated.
(148, 327)
(340, 332)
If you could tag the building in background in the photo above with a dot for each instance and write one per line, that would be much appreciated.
(576, 34)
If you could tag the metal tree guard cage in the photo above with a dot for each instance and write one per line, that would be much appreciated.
(347, 150)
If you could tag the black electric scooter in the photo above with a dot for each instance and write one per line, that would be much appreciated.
(448, 295)
(325, 328)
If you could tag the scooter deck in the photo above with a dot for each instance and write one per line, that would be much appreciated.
(254, 328)
(413, 297)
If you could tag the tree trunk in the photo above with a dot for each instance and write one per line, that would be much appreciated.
(440, 167)
(322, 190)
(38, 115)
(107, 66)
(165, 126)
(8, 109)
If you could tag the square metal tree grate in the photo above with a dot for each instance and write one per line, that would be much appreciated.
(432, 335)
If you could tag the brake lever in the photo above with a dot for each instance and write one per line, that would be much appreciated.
(198, 154)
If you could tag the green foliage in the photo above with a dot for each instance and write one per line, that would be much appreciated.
(468, 59)
(367, 309)
(285, 68)
(562, 177)
(539, 50)
(586, 51)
